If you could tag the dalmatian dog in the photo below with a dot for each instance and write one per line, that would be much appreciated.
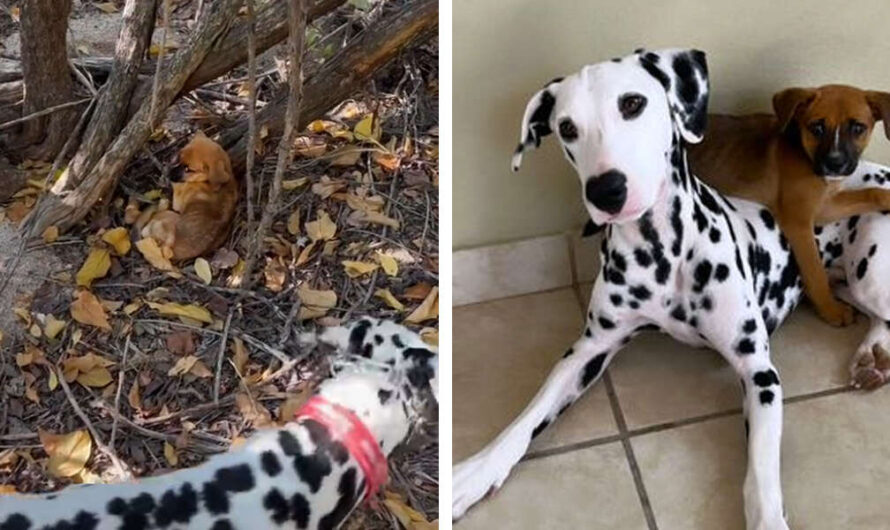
(676, 256)
(310, 473)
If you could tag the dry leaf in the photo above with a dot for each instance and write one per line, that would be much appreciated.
(315, 303)
(389, 161)
(199, 369)
(347, 155)
(427, 310)
(134, 397)
(310, 146)
(183, 365)
(360, 217)
(180, 342)
(326, 187)
(96, 377)
(291, 405)
(252, 411)
(389, 264)
(410, 518)
(418, 291)
(293, 223)
(192, 311)
(354, 269)
(275, 274)
(153, 254)
(53, 326)
(304, 254)
(323, 228)
(87, 309)
(390, 300)
(68, 453)
(107, 7)
(368, 129)
(53, 381)
(7, 489)
(170, 454)
(118, 238)
(239, 356)
(292, 184)
(51, 234)
(96, 266)
(202, 269)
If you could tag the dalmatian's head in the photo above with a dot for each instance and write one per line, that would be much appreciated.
(617, 122)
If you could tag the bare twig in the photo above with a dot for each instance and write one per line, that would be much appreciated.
(296, 38)
(161, 50)
(251, 109)
(120, 385)
(220, 356)
(44, 112)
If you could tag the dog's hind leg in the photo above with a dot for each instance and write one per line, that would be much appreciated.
(579, 368)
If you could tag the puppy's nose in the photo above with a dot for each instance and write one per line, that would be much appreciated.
(608, 191)
(835, 161)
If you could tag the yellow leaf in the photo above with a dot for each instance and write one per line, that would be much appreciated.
(183, 365)
(87, 309)
(51, 234)
(323, 228)
(315, 303)
(348, 155)
(16, 13)
(368, 128)
(239, 356)
(134, 397)
(427, 310)
(23, 359)
(96, 377)
(6, 489)
(35, 331)
(293, 223)
(155, 49)
(170, 454)
(252, 411)
(193, 311)
(430, 336)
(107, 7)
(293, 184)
(95, 266)
(304, 254)
(119, 239)
(132, 307)
(53, 380)
(291, 405)
(202, 269)
(354, 269)
(410, 518)
(68, 453)
(389, 264)
(153, 254)
(199, 369)
(53, 326)
(390, 300)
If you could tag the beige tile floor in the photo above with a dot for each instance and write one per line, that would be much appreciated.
(680, 429)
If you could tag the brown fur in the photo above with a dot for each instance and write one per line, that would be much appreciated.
(203, 203)
(779, 161)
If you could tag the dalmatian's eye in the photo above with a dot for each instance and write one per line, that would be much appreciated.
(817, 128)
(857, 128)
(631, 105)
(567, 130)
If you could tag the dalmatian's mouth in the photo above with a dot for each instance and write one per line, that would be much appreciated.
(637, 209)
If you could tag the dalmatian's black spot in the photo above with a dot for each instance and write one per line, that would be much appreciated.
(616, 299)
(397, 341)
(852, 237)
(222, 524)
(750, 326)
(275, 502)
(745, 346)
(721, 273)
(177, 507)
(702, 275)
(862, 268)
(345, 502)
(867, 177)
(751, 230)
(647, 62)
(564, 408)
(643, 258)
(766, 378)
(615, 276)
(640, 292)
(378, 339)
(215, 498)
(383, 395)
(872, 249)
(738, 263)
(852, 222)
(588, 333)
(767, 219)
(312, 469)
(568, 353)
(706, 303)
(619, 261)
(678, 313)
(766, 397)
(633, 304)
(540, 428)
(590, 315)
(235, 479)
(16, 521)
(357, 336)
(270, 463)
(605, 323)
(571, 157)
(708, 201)
(701, 222)
(592, 369)
(714, 235)
(693, 321)
(539, 123)
(323, 442)
(677, 225)
(82, 521)
(817, 230)
(689, 255)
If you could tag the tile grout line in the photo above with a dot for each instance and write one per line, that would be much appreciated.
(629, 452)
(573, 264)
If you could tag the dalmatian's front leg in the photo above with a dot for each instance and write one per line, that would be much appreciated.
(580, 368)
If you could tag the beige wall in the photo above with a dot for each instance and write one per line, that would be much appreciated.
(505, 50)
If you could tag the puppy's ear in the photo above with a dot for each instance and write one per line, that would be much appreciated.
(218, 171)
(684, 75)
(880, 106)
(787, 102)
(536, 121)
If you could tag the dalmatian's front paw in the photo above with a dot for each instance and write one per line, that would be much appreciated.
(837, 313)
(473, 479)
(870, 368)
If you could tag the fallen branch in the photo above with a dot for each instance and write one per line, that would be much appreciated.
(44, 112)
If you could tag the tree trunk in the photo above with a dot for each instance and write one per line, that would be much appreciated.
(64, 208)
(343, 75)
(111, 110)
(47, 78)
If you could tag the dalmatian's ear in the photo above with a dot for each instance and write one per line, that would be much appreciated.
(684, 75)
(536, 121)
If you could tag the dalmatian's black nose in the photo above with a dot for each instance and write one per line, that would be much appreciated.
(608, 191)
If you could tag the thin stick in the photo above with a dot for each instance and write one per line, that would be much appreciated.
(120, 385)
(296, 37)
(157, 79)
(251, 109)
(43, 112)
(221, 356)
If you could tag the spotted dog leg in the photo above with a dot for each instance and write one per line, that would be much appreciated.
(580, 367)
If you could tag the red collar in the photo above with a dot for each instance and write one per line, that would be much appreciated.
(346, 428)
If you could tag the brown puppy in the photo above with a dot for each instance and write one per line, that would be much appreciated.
(793, 163)
(205, 201)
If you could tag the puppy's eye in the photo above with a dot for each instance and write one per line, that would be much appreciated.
(567, 130)
(817, 128)
(631, 105)
(857, 128)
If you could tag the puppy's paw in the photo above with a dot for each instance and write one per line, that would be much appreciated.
(837, 313)
(870, 368)
(472, 480)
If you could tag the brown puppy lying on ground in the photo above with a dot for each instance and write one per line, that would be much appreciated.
(793, 163)
(203, 203)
